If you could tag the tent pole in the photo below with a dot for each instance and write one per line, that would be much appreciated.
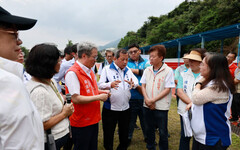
(238, 48)
(203, 42)
(222, 41)
(179, 52)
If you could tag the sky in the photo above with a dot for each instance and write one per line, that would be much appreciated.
(96, 21)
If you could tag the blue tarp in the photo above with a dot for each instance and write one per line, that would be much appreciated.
(216, 34)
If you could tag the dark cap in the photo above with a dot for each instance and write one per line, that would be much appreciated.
(20, 23)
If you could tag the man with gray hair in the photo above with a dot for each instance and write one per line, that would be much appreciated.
(81, 84)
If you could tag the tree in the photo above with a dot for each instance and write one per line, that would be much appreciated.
(69, 43)
(25, 51)
(100, 57)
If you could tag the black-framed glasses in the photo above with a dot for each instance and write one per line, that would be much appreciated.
(133, 52)
(14, 33)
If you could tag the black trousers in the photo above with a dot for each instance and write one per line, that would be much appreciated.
(236, 106)
(199, 146)
(85, 138)
(110, 119)
(59, 142)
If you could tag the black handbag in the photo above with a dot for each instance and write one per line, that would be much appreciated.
(50, 140)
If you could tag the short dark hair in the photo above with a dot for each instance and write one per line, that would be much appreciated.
(133, 45)
(42, 60)
(74, 48)
(123, 51)
(160, 49)
(234, 53)
(68, 50)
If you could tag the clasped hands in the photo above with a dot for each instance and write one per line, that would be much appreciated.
(150, 103)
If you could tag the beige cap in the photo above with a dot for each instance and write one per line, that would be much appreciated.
(194, 55)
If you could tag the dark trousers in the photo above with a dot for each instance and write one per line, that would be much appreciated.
(199, 146)
(59, 142)
(136, 107)
(110, 119)
(157, 118)
(236, 106)
(85, 138)
(184, 141)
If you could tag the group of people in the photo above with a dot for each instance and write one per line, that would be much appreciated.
(128, 87)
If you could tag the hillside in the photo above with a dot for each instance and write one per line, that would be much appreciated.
(190, 17)
(112, 44)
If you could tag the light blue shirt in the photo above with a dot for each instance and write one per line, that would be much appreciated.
(180, 80)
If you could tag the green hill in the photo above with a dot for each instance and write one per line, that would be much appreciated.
(190, 17)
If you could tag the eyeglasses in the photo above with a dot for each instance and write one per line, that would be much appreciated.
(133, 52)
(109, 56)
(14, 33)
(95, 57)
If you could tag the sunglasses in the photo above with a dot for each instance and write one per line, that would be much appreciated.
(14, 33)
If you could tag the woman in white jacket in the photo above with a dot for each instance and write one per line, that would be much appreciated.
(212, 99)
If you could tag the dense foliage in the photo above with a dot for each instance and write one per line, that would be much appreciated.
(190, 17)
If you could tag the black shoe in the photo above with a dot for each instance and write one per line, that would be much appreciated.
(233, 119)
(136, 127)
(145, 140)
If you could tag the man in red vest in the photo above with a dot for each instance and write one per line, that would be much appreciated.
(232, 67)
(230, 58)
(81, 84)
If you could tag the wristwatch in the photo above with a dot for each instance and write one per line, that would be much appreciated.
(198, 83)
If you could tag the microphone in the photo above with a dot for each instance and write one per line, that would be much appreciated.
(68, 98)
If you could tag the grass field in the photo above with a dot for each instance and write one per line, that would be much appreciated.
(174, 130)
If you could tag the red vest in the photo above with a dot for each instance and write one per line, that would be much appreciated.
(232, 69)
(85, 114)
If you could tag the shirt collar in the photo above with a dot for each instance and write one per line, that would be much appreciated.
(12, 67)
(118, 67)
(85, 69)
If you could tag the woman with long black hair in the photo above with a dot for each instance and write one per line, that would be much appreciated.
(211, 103)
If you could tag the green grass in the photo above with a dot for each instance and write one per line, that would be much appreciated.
(174, 130)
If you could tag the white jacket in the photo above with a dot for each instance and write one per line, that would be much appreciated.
(119, 100)
(188, 86)
(20, 124)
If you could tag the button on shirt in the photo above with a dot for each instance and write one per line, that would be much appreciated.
(71, 79)
(119, 99)
(168, 80)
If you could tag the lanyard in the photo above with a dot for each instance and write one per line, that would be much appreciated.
(56, 91)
